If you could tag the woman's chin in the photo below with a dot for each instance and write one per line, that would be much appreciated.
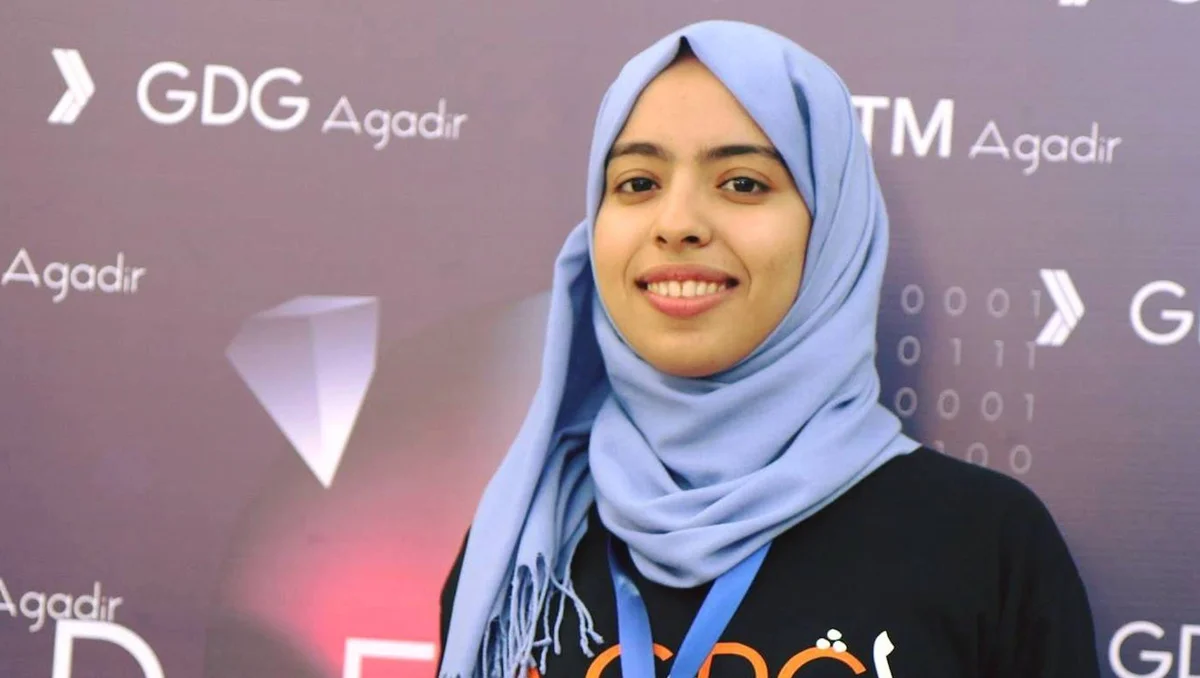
(689, 364)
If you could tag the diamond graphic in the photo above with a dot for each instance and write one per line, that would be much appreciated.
(309, 362)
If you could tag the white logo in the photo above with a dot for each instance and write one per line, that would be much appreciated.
(1032, 149)
(905, 124)
(1183, 319)
(61, 277)
(177, 105)
(80, 87)
(358, 649)
(1067, 304)
(382, 125)
(37, 606)
(1160, 661)
(921, 130)
(247, 95)
(69, 630)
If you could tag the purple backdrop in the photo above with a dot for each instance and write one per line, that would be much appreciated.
(271, 299)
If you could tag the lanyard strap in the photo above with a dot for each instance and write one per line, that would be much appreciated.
(633, 623)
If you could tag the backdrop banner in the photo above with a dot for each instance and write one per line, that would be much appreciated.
(272, 298)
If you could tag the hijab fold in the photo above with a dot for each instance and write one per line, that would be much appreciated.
(693, 474)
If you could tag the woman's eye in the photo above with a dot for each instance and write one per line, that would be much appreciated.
(745, 185)
(636, 185)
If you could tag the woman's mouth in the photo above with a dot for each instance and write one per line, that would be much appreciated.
(683, 292)
(686, 288)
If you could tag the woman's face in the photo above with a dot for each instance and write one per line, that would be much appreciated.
(701, 234)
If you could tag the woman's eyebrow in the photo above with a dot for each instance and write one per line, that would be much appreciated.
(734, 150)
(644, 148)
(706, 155)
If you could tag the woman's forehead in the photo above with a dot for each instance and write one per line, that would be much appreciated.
(687, 105)
(768, 81)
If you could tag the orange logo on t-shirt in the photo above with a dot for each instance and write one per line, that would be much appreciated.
(831, 647)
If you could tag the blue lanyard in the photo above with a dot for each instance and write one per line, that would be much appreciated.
(633, 623)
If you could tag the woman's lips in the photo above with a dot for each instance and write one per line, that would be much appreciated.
(686, 290)
(686, 307)
(682, 272)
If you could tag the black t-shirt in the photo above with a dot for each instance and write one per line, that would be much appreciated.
(928, 568)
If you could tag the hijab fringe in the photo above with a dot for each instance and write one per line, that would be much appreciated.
(535, 595)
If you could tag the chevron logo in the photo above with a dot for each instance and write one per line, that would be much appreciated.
(1068, 308)
(80, 87)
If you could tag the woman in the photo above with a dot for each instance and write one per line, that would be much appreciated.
(708, 421)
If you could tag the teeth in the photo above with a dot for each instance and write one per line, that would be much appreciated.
(686, 288)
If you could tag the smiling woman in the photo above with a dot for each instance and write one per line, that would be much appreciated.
(701, 233)
(706, 482)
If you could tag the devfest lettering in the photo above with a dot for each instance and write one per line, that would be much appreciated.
(357, 650)
(1154, 658)
(68, 631)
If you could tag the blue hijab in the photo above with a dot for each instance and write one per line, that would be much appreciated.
(693, 474)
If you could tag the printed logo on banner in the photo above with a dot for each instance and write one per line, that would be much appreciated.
(38, 606)
(921, 134)
(1068, 308)
(1155, 311)
(67, 631)
(1006, 403)
(309, 362)
(92, 617)
(1141, 636)
(80, 87)
(1171, 325)
(831, 648)
(360, 649)
(247, 95)
(60, 278)
(357, 650)
(218, 109)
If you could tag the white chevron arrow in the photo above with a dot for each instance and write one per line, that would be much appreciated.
(80, 87)
(1068, 308)
(1072, 3)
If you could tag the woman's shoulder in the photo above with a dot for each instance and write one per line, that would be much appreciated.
(926, 475)
(936, 499)
(928, 511)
